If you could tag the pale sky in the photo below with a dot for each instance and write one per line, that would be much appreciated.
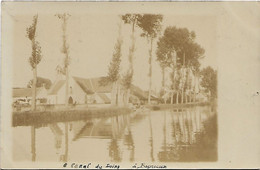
(92, 39)
(92, 36)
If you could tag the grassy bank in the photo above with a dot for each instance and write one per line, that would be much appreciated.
(44, 117)
(174, 106)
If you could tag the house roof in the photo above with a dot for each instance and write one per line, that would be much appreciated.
(101, 129)
(25, 92)
(85, 84)
(92, 85)
(138, 92)
(88, 85)
(56, 87)
(104, 97)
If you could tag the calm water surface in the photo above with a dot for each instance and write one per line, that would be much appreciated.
(169, 136)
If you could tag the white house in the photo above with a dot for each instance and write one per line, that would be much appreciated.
(24, 95)
(81, 91)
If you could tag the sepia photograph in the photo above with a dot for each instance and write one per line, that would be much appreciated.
(96, 85)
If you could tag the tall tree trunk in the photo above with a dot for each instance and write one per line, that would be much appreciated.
(116, 93)
(119, 98)
(127, 97)
(177, 98)
(163, 79)
(186, 100)
(130, 59)
(33, 106)
(113, 94)
(183, 78)
(150, 72)
(195, 88)
(172, 98)
(67, 87)
(182, 95)
(163, 82)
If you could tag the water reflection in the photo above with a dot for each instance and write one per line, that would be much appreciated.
(33, 148)
(186, 126)
(175, 135)
(129, 142)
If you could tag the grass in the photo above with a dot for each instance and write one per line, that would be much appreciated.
(170, 106)
(45, 117)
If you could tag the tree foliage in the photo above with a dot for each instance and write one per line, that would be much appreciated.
(40, 82)
(150, 24)
(133, 20)
(151, 27)
(114, 67)
(209, 80)
(65, 46)
(182, 41)
(36, 55)
(127, 79)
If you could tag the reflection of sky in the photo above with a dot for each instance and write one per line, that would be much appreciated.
(148, 137)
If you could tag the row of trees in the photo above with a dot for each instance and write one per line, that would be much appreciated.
(36, 55)
(150, 25)
(176, 51)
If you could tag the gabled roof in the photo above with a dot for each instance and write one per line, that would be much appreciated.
(141, 94)
(89, 86)
(92, 85)
(25, 92)
(101, 88)
(101, 129)
(138, 92)
(85, 84)
(56, 87)
(104, 97)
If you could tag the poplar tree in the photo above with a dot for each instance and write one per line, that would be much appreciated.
(35, 58)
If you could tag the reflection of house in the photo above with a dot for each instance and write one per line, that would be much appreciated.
(100, 129)
(107, 128)
(24, 95)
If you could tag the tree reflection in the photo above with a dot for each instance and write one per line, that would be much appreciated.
(128, 140)
(64, 157)
(151, 137)
(33, 140)
(114, 151)
(190, 138)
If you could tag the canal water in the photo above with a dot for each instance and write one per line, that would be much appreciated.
(176, 135)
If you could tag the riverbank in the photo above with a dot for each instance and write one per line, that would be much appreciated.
(26, 118)
(43, 117)
(178, 106)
